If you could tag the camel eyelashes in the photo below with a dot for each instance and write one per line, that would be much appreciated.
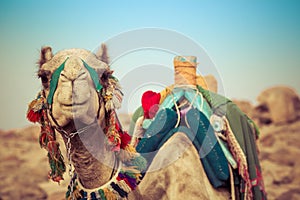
(42, 73)
(44, 76)
(44, 79)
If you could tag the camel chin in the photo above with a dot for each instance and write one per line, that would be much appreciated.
(79, 118)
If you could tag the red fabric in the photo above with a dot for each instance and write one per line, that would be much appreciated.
(153, 110)
(33, 116)
(150, 103)
(118, 127)
(125, 139)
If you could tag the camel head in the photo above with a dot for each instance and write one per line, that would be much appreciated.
(76, 84)
(78, 98)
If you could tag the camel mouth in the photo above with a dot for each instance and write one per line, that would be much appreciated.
(75, 104)
(75, 110)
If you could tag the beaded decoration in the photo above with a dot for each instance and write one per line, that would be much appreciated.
(126, 179)
(132, 163)
(37, 113)
(128, 175)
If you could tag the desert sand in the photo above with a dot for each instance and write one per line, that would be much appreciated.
(24, 165)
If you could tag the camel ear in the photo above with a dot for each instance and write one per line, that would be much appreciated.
(46, 55)
(102, 54)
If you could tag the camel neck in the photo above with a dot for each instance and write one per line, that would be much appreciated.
(92, 161)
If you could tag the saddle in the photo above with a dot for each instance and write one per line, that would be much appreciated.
(197, 121)
(193, 120)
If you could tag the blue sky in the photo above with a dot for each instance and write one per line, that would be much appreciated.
(254, 44)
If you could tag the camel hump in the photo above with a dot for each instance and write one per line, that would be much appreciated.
(176, 162)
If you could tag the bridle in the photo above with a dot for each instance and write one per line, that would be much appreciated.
(54, 82)
(129, 164)
(68, 136)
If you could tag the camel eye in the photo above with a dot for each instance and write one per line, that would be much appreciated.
(43, 75)
(44, 79)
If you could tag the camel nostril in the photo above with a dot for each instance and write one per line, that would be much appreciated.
(72, 75)
(82, 75)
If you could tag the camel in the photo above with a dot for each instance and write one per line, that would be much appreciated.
(79, 96)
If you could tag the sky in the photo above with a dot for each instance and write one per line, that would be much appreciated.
(252, 44)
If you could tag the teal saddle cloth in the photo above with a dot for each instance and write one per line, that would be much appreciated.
(197, 128)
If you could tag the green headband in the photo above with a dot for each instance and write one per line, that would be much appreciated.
(57, 72)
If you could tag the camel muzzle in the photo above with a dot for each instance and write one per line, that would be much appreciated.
(56, 75)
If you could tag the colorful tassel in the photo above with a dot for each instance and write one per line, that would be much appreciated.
(131, 181)
(150, 102)
(34, 109)
(109, 195)
(112, 94)
(140, 162)
(125, 139)
(33, 116)
(37, 113)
